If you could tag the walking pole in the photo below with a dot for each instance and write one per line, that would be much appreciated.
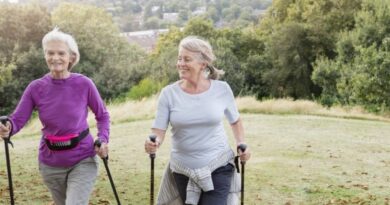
(105, 161)
(7, 141)
(152, 156)
(242, 147)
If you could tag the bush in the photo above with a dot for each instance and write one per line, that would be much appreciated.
(145, 88)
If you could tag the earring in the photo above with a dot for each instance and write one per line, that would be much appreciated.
(206, 71)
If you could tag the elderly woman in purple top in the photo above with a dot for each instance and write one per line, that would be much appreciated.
(67, 156)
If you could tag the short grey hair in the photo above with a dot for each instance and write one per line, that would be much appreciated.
(198, 45)
(57, 35)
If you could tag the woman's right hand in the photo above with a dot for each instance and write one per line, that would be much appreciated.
(151, 147)
(5, 130)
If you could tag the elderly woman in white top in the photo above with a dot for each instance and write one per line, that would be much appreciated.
(201, 164)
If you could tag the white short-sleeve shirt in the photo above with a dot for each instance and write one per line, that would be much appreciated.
(198, 134)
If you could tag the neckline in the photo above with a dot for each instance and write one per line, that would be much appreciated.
(195, 94)
(59, 81)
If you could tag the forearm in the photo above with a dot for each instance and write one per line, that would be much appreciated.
(103, 126)
(23, 111)
(238, 132)
(19, 119)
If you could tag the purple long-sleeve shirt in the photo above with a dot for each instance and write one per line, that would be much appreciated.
(62, 106)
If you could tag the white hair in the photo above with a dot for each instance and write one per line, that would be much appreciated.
(198, 45)
(57, 35)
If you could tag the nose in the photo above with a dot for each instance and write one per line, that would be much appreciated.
(56, 57)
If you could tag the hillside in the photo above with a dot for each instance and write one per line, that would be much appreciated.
(134, 15)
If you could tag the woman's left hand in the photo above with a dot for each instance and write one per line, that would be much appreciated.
(244, 156)
(102, 151)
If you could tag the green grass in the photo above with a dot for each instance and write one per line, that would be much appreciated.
(296, 159)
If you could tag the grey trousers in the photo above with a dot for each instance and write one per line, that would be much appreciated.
(72, 185)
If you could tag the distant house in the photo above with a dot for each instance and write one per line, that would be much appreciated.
(145, 39)
(155, 9)
(170, 17)
(199, 11)
(260, 12)
(111, 9)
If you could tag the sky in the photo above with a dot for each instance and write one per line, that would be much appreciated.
(10, 1)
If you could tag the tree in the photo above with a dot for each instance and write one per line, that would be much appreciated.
(21, 60)
(228, 61)
(183, 15)
(106, 57)
(25, 29)
(212, 13)
(152, 23)
(161, 64)
(291, 52)
(255, 62)
(296, 34)
(361, 69)
(199, 27)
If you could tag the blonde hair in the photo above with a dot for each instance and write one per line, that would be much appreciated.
(57, 35)
(198, 45)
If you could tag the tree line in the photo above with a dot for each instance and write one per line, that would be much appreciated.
(332, 51)
(134, 15)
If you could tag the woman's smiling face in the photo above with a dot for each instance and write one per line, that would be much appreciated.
(58, 56)
(189, 65)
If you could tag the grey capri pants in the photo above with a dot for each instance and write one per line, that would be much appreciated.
(71, 185)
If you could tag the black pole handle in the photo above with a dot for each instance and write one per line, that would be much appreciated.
(98, 144)
(4, 119)
(242, 147)
(153, 139)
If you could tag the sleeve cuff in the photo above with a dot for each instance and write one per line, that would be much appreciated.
(103, 140)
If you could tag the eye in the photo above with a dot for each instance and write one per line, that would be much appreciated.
(185, 59)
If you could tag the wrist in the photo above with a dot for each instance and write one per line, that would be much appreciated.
(103, 140)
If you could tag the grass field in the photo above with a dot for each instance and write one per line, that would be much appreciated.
(296, 159)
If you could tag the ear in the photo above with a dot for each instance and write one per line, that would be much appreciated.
(72, 58)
